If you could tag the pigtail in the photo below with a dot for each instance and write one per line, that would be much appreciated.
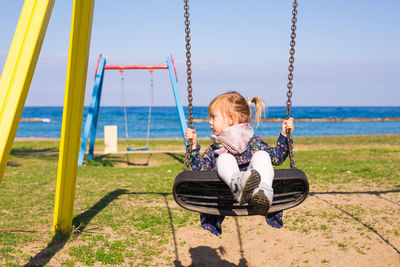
(260, 108)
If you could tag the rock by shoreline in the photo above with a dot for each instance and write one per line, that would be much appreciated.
(36, 119)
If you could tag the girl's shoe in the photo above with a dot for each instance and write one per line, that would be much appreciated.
(243, 185)
(211, 223)
(275, 219)
(262, 199)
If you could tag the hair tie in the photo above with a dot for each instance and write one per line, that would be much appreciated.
(248, 101)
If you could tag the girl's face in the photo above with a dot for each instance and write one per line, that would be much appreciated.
(219, 122)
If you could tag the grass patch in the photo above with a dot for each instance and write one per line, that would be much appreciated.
(124, 212)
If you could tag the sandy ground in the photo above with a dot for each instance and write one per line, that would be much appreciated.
(326, 230)
(347, 228)
(357, 227)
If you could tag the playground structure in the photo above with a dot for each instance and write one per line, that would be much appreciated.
(92, 116)
(17, 75)
(14, 86)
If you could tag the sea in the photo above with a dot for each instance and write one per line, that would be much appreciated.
(164, 121)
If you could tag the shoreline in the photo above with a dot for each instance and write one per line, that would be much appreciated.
(23, 139)
(321, 119)
(262, 120)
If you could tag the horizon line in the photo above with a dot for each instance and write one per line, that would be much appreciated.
(344, 106)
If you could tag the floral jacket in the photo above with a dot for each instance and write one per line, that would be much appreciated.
(207, 161)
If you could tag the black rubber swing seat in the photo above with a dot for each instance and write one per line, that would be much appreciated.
(204, 191)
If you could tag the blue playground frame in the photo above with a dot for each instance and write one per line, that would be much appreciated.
(93, 113)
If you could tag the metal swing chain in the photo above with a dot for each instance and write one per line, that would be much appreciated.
(189, 84)
(123, 103)
(151, 103)
(290, 84)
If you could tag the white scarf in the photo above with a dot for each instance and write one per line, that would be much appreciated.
(234, 139)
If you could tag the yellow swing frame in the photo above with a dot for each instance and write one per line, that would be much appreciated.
(14, 86)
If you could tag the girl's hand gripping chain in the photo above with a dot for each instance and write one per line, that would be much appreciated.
(287, 125)
(191, 134)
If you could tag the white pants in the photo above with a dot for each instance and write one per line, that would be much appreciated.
(227, 166)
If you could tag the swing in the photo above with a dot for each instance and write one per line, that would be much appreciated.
(123, 104)
(205, 192)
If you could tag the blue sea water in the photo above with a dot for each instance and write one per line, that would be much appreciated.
(165, 121)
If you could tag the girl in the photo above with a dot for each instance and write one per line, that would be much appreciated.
(242, 159)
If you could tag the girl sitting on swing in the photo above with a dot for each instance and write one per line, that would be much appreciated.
(243, 160)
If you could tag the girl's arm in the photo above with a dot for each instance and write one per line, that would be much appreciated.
(191, 134)
(278, 153)
(287, 125)
(203, 162)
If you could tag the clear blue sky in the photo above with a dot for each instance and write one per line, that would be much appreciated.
(345, 50)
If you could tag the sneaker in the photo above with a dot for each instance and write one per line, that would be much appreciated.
(243, 185)
(262, 199)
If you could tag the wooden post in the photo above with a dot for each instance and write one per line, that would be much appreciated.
(82, 16)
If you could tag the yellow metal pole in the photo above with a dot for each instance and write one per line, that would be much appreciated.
(82, 15)
(18, 70)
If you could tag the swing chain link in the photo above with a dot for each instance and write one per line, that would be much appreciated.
(290, 84)
(151, 82)
(150, 106)
(189, 84)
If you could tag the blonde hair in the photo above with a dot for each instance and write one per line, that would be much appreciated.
(234, 103)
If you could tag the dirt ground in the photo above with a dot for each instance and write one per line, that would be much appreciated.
(331, 228)
(326, 230)
(353, 225)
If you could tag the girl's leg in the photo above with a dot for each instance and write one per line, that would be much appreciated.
(242, 184)
(263, 194)
(227, 167)
(261, 161)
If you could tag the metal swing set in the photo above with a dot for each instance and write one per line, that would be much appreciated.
(14, 86)
(123, 105)
(93, 111)
(204, 191)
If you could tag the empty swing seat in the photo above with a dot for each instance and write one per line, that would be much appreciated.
(204, 191)
(137, 149)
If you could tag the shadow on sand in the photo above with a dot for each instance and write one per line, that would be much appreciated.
(354, 217)
(200, 255)
(206, 256)
(80, 222)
